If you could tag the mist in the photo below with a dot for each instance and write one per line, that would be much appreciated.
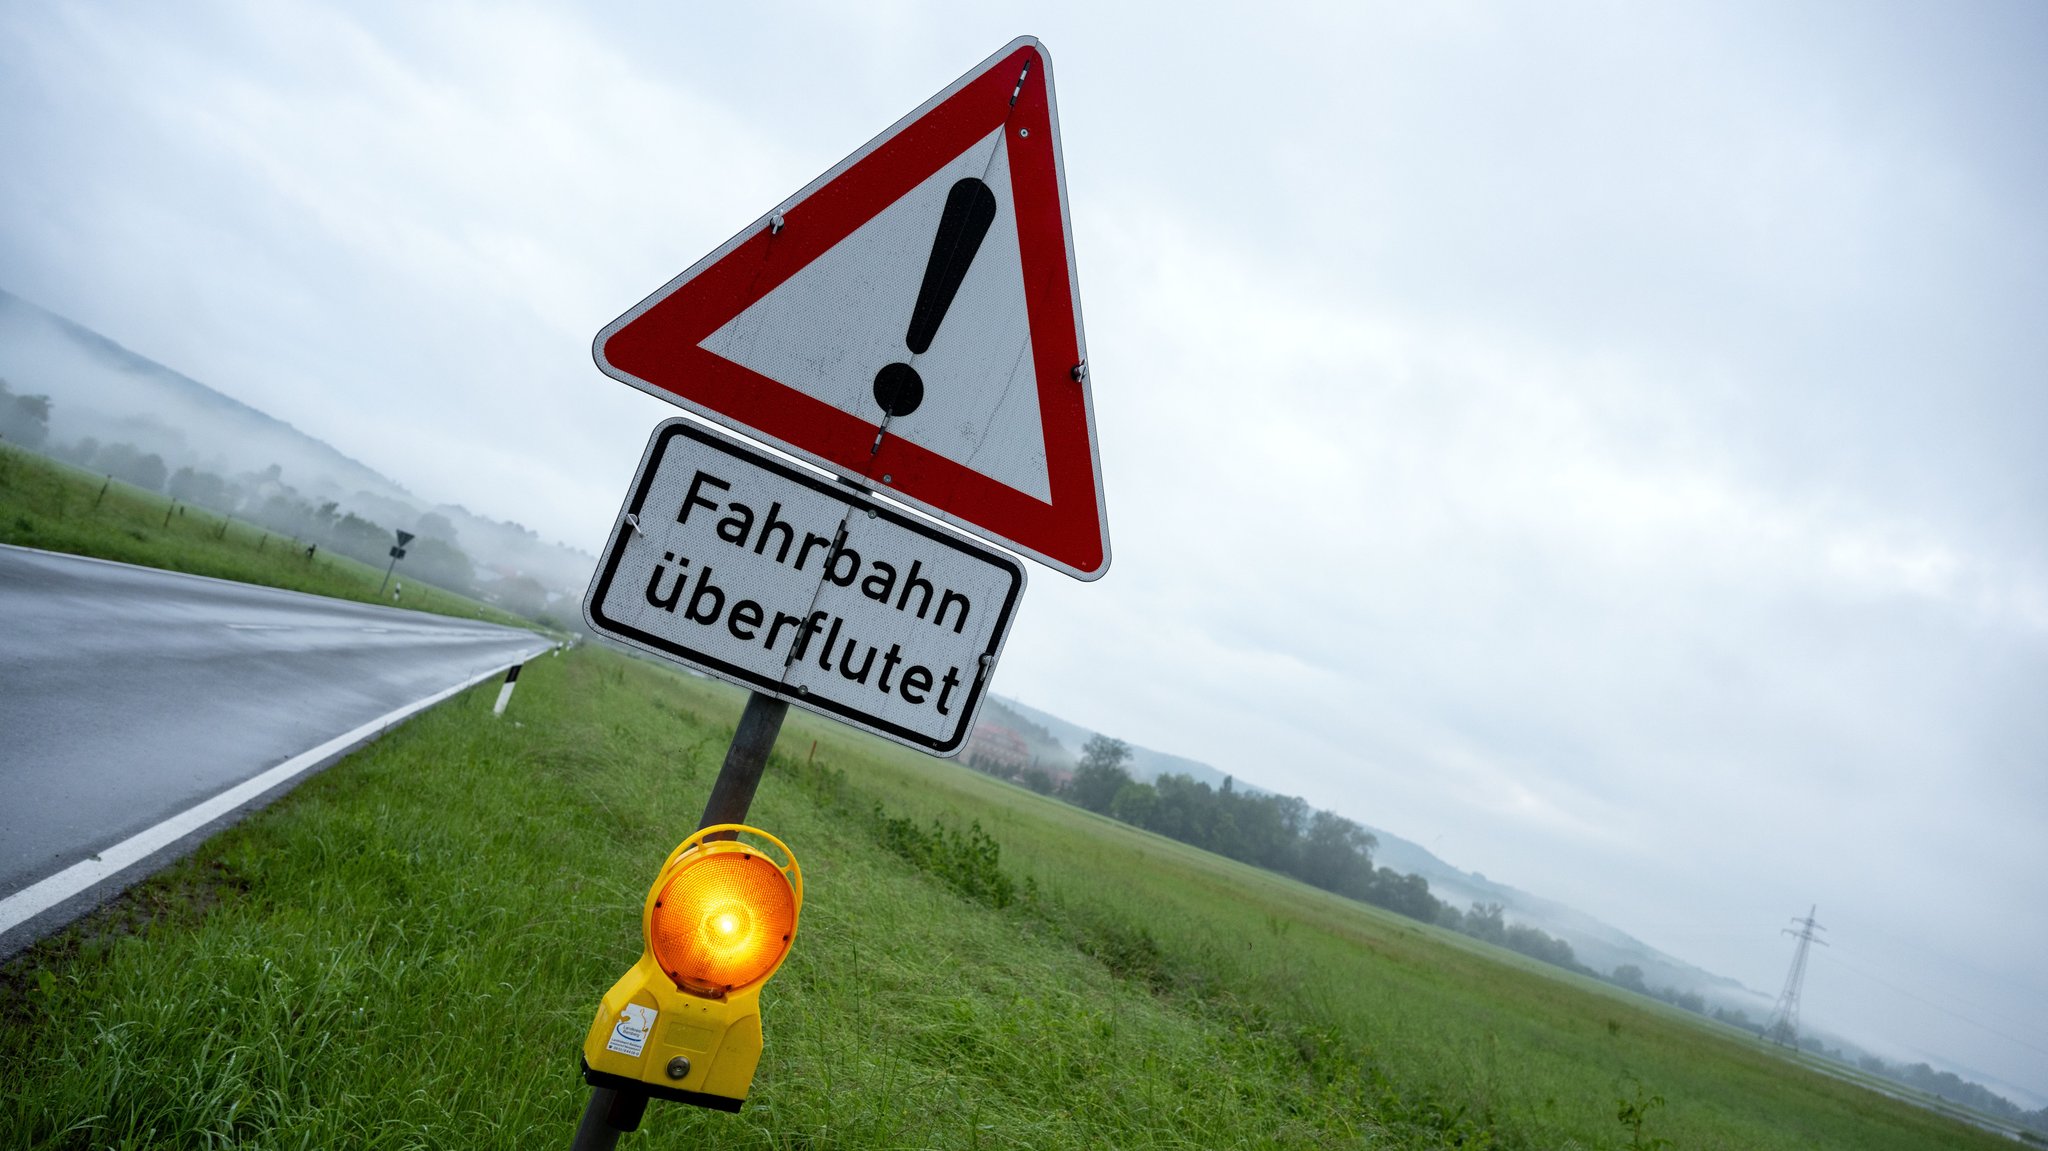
(115, 412)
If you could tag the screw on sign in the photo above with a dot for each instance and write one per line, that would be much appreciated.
(911, 322)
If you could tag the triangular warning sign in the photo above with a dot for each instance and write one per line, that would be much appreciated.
(910, 319)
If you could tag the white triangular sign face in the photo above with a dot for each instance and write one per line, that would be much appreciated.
(831, 328)
(910, 319)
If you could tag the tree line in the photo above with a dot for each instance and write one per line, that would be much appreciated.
(1280, 833)
(1324, 849)
(1956, 1089)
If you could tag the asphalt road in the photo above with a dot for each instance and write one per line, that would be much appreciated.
(128, 695)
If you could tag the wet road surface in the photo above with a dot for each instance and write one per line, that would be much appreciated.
(129, 694)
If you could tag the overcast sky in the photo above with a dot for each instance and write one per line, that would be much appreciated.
(1601, 443)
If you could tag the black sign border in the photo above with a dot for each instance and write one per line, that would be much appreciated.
(615, 553)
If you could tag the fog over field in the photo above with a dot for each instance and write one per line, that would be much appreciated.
(103, 396)
(1601, 445)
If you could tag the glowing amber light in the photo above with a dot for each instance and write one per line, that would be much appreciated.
(723, 921)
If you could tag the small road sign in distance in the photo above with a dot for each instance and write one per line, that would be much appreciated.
(912, 319)
(757, 571)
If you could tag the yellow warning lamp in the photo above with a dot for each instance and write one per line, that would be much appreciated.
(685, 1022)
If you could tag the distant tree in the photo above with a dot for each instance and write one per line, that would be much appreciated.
(1226, 838)
(1955, 1088)
(522, 595)
(80, 453)
(254, 489)
(1267, 826)
(1336, 854)
(437, 561)
(283, 511)
(1484, 922)
(125, 461)
(1100, 774)
(1538, 944)
(1102, 751)
(1183, 809)
(1036, 779)
(1095, 787)
(1407, 895)
(1135, 804)
(1630, 976)
(202, 488)
(356, 536)
(1280, 833)
(1736, 1017)
(1292, 813)
(999, 767)
(435, 526)
(25, 420)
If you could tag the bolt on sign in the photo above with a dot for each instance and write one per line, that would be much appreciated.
(755, 570)
(911, 320)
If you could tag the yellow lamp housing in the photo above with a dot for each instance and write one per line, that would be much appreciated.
(685, 1023)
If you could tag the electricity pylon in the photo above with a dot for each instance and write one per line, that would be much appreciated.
(1783, 1028)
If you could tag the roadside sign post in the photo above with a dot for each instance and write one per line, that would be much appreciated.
(910, 323)
(613, 1111)
(397, 553)
(505, 691)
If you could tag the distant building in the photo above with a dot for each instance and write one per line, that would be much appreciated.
(997, 750)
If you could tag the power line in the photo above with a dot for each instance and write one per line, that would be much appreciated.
(1938, 1007)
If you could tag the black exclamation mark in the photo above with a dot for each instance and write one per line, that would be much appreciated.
(970, 209)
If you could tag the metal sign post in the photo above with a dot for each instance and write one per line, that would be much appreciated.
(612, 1112)
(397, 553)
(910, 323)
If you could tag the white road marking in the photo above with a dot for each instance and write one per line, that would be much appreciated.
(44, 894)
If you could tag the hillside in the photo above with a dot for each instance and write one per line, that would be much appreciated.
(103, 393)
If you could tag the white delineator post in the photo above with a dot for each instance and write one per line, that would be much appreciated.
(505, 692)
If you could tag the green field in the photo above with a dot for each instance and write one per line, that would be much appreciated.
(407, 950)
(51, 505)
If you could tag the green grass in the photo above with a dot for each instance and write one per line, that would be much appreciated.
(51, 505)
(407, 950)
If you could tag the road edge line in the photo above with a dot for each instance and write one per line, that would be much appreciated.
(50, 891)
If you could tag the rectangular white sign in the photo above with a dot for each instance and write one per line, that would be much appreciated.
(757, 571)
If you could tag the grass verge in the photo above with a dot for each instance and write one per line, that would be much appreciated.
(406, 952)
